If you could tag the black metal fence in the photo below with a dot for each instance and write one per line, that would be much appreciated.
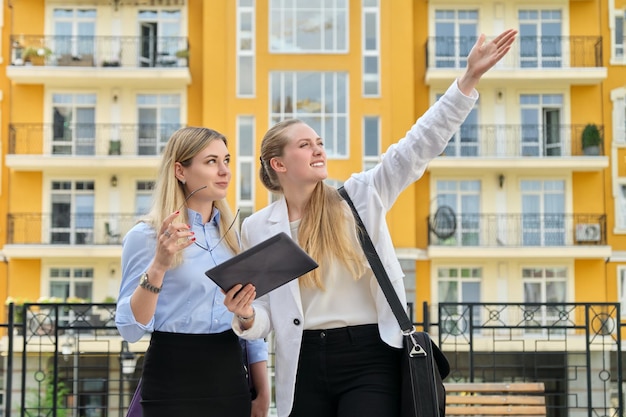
(67, 359)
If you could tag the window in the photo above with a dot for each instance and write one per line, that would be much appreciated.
(71, 282)
(463, 197)
(73, 124)
(458, 285)
(618, 96)
(246, 174)
(158, 116)
(544, 285)
(543, 212)
(143, 197)
(308, 26)
(621, 206)
(619, 36)
(245, 48)
(455, 35)
(72, 219)
(371, 48)
(540, 38)
(317, 98)
(74, 34)
(160, 37)
(541, 125)
(371, 141)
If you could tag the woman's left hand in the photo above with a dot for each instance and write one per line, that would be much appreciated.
(239, 300)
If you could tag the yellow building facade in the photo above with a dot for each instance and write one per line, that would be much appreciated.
(84, 120)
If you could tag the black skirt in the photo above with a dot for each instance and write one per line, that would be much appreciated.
(194, 375)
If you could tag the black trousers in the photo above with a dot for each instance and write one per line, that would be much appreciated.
(347, 372)
(194, 375)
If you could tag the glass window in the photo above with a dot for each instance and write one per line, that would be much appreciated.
(246, 174)
(465, 142)
(308, 26)
(543, 212)
(621, 286)
(456, 32)
(72, 218)
(317, 98)
(541, 125)
(160, 37)
(458, 285)
(463, 200)
(540, 37)
(74, 34)
(73, 124)
(371, 48)
(143, 197)
(371, 141)
(158, 116)
(245, 48)
(544, 285)
(71, 283)
(619, 35)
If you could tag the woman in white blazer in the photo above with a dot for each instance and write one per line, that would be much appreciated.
(337, 341)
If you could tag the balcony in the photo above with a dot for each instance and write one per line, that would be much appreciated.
(58, 144)
(569, 59)
(64, 234)
(531, 146)
(517, 235)
(37, 59)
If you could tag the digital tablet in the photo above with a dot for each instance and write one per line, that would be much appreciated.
(267, 266)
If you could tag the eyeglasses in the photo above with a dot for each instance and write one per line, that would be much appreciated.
(209, 249)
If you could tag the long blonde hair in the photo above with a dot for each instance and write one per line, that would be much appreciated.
(327, 228)
(170, 193)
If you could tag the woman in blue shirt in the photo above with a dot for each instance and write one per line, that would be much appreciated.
(193, 366)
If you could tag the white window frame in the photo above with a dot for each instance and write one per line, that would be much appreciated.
(621, 289)
(452, 324)
(371, 80)
(143, 188)
(618, 49)
(370, 160)
(246, 163)
(618, 97)
(246, 85)
(288, 87)
(74, 228)
(539, 61)
(543, 315)
(72, 280)
(457, 17)
(283, 17)
(163, 130)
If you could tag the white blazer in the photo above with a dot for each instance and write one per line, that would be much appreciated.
(373, 193)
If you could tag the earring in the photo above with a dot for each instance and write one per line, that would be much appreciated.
(183, 182)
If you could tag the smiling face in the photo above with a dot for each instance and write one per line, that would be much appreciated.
(210, 168)
(303, 161)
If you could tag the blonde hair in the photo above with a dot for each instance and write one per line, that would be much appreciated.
(327, 228)
(170, 193)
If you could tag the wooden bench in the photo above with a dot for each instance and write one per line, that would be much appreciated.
(496, 399)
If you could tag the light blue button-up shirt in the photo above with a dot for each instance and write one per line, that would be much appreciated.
(189, 302)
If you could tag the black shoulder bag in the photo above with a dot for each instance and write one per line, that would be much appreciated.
(423, 364)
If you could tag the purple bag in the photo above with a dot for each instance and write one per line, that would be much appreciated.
(134, 408)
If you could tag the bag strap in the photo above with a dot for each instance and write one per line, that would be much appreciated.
(379, 270)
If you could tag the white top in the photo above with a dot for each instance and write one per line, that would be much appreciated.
(322, 310)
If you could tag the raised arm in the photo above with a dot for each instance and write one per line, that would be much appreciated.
(483, 56)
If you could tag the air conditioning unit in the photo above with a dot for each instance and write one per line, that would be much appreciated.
(586, 232)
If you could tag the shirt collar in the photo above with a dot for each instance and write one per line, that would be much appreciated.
(196, 218)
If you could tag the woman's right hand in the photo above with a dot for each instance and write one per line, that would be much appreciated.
(239, 300)
(172, 238)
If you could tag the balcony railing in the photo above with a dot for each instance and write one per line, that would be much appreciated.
(527, 52)
(100, 51)
(516, 230)
(89, 139)
(528, 141)
(68, 229)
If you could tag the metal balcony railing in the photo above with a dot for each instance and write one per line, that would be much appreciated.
(539, 52)
(100, 51)
(68, 228)
(89, 139)
(516, 230)
(527, 141)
